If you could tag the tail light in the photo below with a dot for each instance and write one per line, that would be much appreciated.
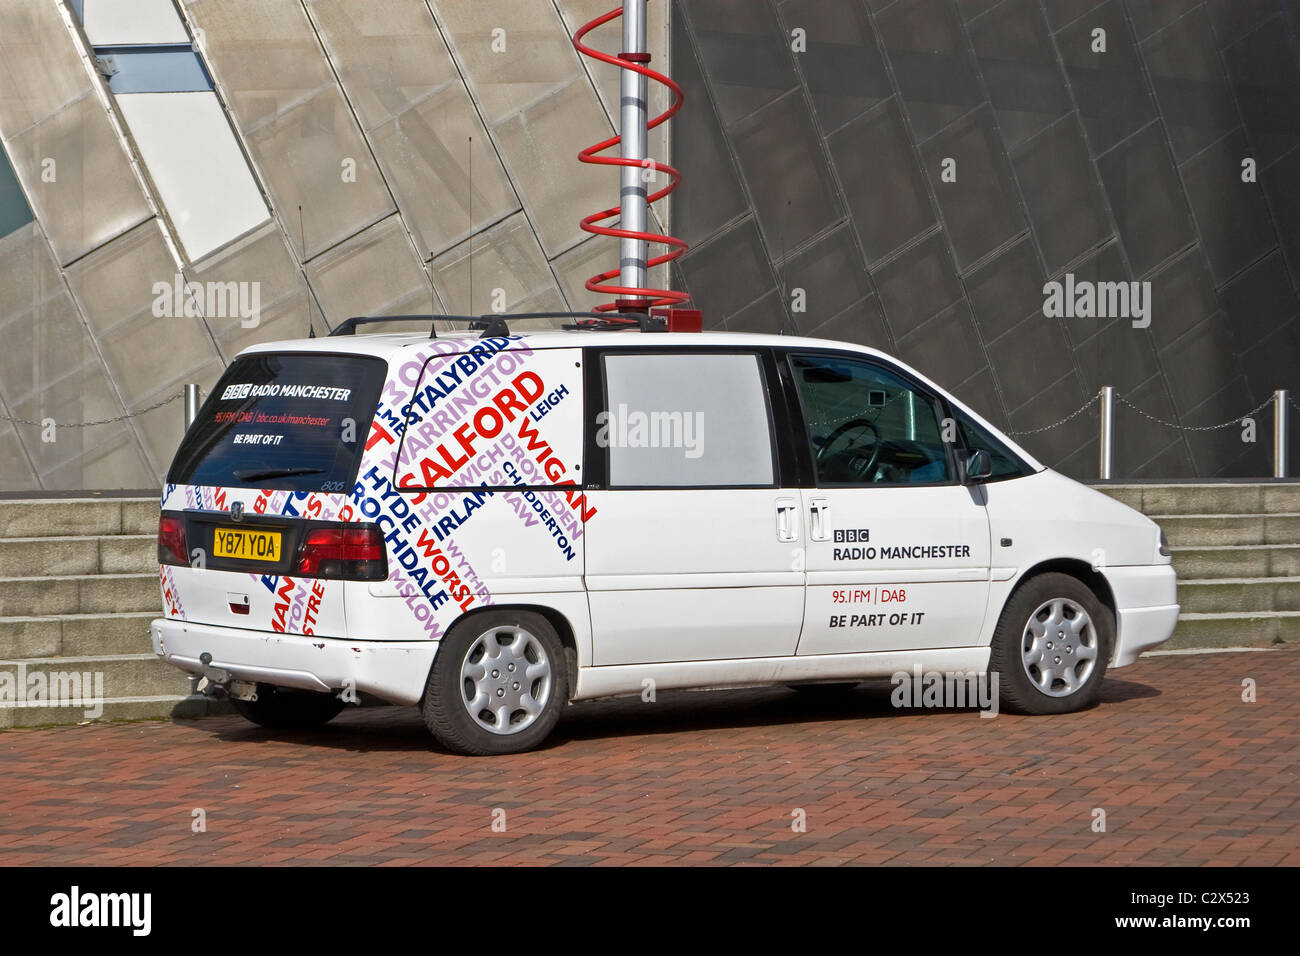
(355, 553)
(171, 541)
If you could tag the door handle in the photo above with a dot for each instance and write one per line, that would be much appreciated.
(787, 519)
(821, 520)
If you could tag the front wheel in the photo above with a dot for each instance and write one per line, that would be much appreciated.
(1051, 646)
(497, 684)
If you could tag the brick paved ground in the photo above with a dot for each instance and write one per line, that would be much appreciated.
(1186, 772)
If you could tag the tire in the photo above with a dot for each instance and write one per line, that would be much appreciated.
(463, 676)
(280, 708)
(1052, 618)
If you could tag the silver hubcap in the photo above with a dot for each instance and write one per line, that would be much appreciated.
(505, 680)
(1059, 647)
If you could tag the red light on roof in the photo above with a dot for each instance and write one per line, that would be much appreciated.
(679, 320)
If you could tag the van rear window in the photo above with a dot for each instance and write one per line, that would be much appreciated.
(291, 422)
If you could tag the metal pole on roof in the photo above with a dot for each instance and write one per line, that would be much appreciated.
(633, 118)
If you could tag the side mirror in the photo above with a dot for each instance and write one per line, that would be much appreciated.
(978, 466)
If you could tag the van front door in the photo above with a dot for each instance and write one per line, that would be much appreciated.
(693, 551)
(898, 548)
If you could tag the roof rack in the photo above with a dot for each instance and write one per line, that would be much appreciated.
(349, 326)
(658, 319)
(495, 324)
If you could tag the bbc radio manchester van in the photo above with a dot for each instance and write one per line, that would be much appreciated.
(490, 525)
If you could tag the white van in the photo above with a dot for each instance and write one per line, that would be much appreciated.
(489, 526)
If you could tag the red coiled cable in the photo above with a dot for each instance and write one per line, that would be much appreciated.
(600, 283)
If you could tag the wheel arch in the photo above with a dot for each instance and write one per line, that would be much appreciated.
(1075, 568)
(552, 616)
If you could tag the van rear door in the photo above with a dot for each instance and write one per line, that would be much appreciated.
(257, 496)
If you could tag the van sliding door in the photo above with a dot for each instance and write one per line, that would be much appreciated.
(694, 550)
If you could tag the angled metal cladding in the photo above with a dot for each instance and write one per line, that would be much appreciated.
(819, 168)
(1100, 139)
(373, 118)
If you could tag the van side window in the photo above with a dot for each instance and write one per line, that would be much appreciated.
(686, 420)
(867, 425)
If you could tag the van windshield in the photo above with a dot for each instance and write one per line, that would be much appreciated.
(290, 422)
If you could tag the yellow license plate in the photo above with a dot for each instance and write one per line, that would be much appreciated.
(246, 545)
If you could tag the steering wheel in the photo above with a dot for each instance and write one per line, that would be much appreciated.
(843, 429)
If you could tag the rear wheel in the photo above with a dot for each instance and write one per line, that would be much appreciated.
(280, 707)
(497, 684)
(1051, 646)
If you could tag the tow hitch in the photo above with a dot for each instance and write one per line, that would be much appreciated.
(218, 683)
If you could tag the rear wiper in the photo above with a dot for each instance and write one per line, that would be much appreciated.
(256, 474)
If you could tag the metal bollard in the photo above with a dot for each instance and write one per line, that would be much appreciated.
(1281, 422)
(1107, 463)
(191, 404)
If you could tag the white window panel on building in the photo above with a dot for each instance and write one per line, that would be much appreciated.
(179, 126)
(199, 170)
(114, 22)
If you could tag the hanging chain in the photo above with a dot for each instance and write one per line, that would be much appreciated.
(1233, 422)
(102, 421)
(1073, 415)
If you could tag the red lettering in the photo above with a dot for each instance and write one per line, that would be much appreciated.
(453, 463)
(405, 481)
(286, 593)
(506, 400)
(487, 423)
(488, 431)
(534, 440)
(432, 471)
(429, 545)
(577, 500)
(464, 598)
(377, 431)
(313, 607)
(523, 380)
(466, 441)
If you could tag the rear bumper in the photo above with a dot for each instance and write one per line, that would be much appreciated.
(1146, 598)
(395, 671)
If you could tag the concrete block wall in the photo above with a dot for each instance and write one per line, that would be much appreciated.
(78, 587)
